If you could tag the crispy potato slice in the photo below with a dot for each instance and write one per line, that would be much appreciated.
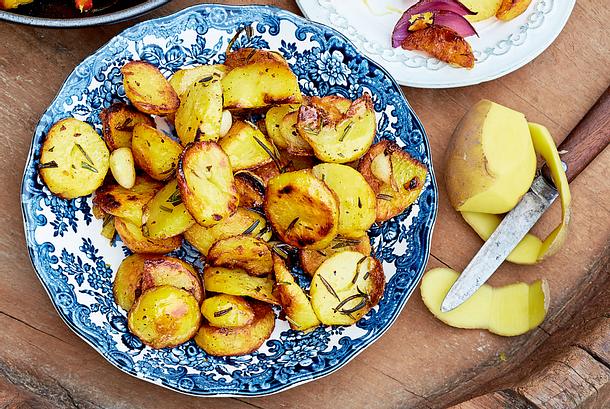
(250, 189)
(243, 221)
(243, 252)
(509, 9)
(206, 183)
(127, 203)
(396, 178)
(165, 215)
(148, 90)
(127, 283)
(345, 287)
(335, 106)
(135, 240)
(295, 303)
(74, 159)
(200, 115)
(118, 121)
(357, 202)
(240, 340)
(338, 139)
(227, 311)
(312, 259)
(246, 146)
(273, 121)
(295, 143)
(302, 210)
(172, 271)
(155, 152)
(238, 282)
(442, 43)
(266, 172)
(182, 79)
(164, 317)
(248, 55)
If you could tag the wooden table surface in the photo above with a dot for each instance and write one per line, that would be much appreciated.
(420, 362)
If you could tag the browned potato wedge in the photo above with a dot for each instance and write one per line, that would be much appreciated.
(335, 106)
(127, 203)
(200, 115)
(165, 215)
(240, 340)
(357, 203)
(396, 178)
(442, 43)
(250, 189)
(312, 259)
(302, 210)
(246, 146)
(155, 152)
(295, 303)
(238, 282)
(135, 240)
(13, 4)
(244, 56)
(345, 287)
(244, 252)
(182, 79)
(342, 139)
(273, 121)
(118, 121)
(164, 317)
(206, 183)
(127, 283)
(74, 159)
(227, 311)
(148, 90)
(165, 270)
(266, 172)
(243, 221)
(509, 9)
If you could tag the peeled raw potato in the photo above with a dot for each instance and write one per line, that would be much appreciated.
(509, 311)
(491, 161)
(484, 8)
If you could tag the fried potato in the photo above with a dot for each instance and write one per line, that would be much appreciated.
(247, 55)
(238, 282)
(297, 162)
(345, 287)
(108, 229)
(312, 259)
(335, 106)
(134, 239)
(273, 121)
(182, 79)
(295, 143)
(165, 215)
(295, 303)
(227, 311)
(148, 90)
(127, 283)
(246, 146)
(13, 4)
(302, 210)
(442, 43)
(164, 317)
(172, 271)
(266, 172)
(200, 114)
(396, 178)
(239, 340)
(509, 9)
(338, 138)
(74, 159)
(155, 152)
(243, 221)
(206, 183)
(244, 252)
(357, 202)
(250, 189)
(118, 121)
(127, 203)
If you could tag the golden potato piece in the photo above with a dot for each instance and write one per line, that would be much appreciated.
(244, 252)
(509, 9)
(266, 172)
(396, 178)
(172, 271)
(250, 189)
(312, 259)
(118, 121)
(155, 152)
(442, 43)
(108, 229)
(295, 143)
(127, 283)
(246, 55)
(273, 121)
(302, 210)
(135, 240)
(182, 79)
(127, 203)
(484, 9)
(206, 183)
(238, 282)
(239, 340)
(295, 303)
(338, 139)
(164, 317)
(74, 159)
(246, 146)
(13, 4)
(345, 287)
(148, 90)
(227, 311)
(357, 202)
(165, 215)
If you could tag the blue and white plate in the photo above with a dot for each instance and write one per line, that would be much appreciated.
(76, 265)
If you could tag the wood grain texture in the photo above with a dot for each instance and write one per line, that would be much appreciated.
(420, 362)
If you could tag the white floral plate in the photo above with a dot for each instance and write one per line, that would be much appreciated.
(502, 47)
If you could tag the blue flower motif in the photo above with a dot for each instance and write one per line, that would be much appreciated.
(332, 69)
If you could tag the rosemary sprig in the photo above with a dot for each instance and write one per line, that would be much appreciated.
(222, 312)
(329, 288)
(125, 126)
(292, 223)
(80, 148)
(48, 165)
(283, 283)
(90, 168)
(175, 198)
(359, 203)
(280, 252)
(358, 269)
(166, 209)
(360, 294)
(206, 79)
(355, 308)
(320, 252)
(293, 322)
(252, 227)
(271, 154)
(346, 131)
(345, 243)
(383, 196)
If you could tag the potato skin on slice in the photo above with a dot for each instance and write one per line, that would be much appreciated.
(312, 259)
(154, 152)
(172, 271)
(227, 311)
(148, 90)
(134, 239)
(244, 252)
(118, 121)
(126, 287)
(74, 159)
(442, 43)
(164, 317)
